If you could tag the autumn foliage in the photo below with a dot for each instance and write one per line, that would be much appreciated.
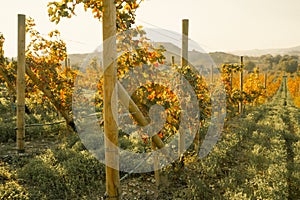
(256, 90)
(50, 85)
(294, 88)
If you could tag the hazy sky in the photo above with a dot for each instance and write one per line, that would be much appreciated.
(217, 25)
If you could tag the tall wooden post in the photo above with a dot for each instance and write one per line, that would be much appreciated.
(231, 80)
(241, 85)
(113, 190)
(66, 62)
(21, 85)
(184, 62)
(266, 83)
(69, 62)
(185, 42)
(212, 74)
(266, 80)
(156, 167)
(285, 86)
(173, 61)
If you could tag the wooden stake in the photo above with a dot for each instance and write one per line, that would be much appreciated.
(231, 79)
(241, 85)
(185, 42)
(21, 85)
(184, 62)
(156, 167)
(173, 61)
(113, 190)
(66, 62)
(212, 74)
(266, 82)
(285, 86)
(69, 62)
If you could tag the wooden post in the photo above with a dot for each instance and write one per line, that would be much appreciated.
(21, 85)
(266, 80)
(266, 83)
(173, 61)
(241, 85)
(113, 190)
(66, 62)
(184, 62)
(284, 89)
(185, 42)
(231, 77)
(69, 62)
(212, 74)
(285, 86)
(156, 167)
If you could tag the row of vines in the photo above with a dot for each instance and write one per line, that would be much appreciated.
(294, 88)
(49, 84)
(263, 149)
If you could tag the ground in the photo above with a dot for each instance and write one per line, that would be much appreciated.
(257, 157)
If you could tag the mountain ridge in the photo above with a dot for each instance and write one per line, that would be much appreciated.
(198, 57)
(273, 51)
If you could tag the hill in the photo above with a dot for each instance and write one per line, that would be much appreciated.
(196, 57)
(259, 52)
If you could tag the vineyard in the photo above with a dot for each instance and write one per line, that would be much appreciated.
(225, 130)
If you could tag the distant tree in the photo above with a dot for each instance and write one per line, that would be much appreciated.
(249, 65)
(294, 57)
(268, 59)
(292, 66)
(277, 59)
(289, 63)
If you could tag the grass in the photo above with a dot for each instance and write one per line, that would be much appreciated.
(257, 157)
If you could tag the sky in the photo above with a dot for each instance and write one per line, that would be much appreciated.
(215, 25)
